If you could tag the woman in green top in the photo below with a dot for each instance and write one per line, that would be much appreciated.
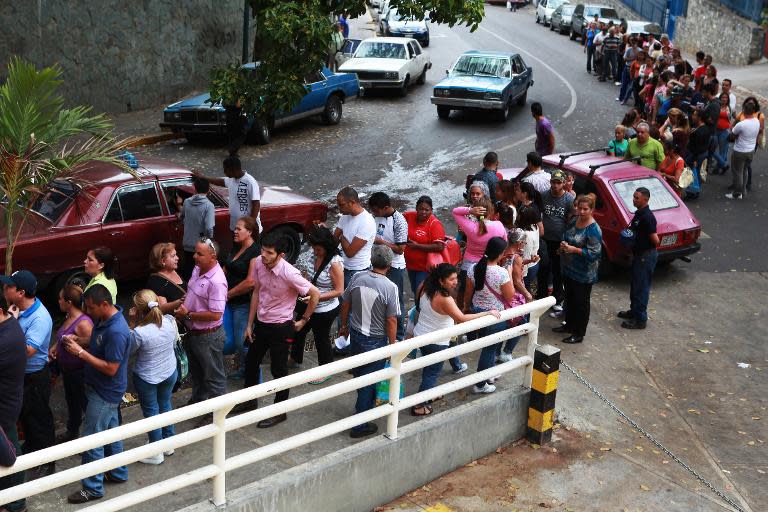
(100, 265)
(618, 146)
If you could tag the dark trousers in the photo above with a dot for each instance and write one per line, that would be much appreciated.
(206, 364)
(610, 64)
(577, 296)
(187, 265)
(643, 265)
(397, 276)
(590, 58)
(366, 396)
(36, 416)
(277, 339)
(552, 265)
(320, 323)
(17, 478)
(74, 394)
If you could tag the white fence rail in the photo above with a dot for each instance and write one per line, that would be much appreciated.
(221, 406)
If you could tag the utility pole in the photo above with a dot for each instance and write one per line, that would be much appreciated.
(246, 27)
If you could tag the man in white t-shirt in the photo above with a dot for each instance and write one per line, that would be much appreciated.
(535, 175)
(745, 136)
(243, 189)
(392, 231)
(355, 232)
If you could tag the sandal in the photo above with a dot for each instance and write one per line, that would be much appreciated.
(437, 398)
(425, 410)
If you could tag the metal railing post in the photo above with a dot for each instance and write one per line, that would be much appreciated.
(533, 341)
(394, 394)
(220, 457)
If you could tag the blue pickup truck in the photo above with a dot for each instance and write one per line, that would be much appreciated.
(326, 92)
(486, 81)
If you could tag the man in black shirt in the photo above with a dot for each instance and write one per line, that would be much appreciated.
(611, 54)
(644, 258)
(13, 362)
(487, 175)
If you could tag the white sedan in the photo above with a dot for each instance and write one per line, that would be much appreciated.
(388, 63)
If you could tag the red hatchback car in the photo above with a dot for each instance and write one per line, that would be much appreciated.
(614, 180)
(130, 216)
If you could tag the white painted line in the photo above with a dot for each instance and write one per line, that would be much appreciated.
(572, 91)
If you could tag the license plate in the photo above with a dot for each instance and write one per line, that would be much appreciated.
(668, 240)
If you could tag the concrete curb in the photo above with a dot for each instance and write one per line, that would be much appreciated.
(370, 473)
(146, 140)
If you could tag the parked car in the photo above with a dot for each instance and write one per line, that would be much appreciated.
(488, 81)
(347, 51)
(397, 25)
(614, 180)
(520, 3)
(389, 63)
(545, 9)
(636, 27)
(326, 92)
(584, 14)
(130, 216)
(561, 18)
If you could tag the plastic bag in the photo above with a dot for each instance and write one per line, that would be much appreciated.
(382, 390)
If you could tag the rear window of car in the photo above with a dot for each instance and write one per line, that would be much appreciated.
(568, 9)
(55, 200)
(661, 197)
(608, 13)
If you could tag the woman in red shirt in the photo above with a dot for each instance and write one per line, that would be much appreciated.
(672, 166)
(425, 234)
(723, 128)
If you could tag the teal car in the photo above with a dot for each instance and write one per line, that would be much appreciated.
(492, 82)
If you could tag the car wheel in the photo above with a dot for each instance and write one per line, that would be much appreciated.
(572, 35)
(426, 42)
(403, 91)
(65, 278)
(261, 132)
(333, 110)
(537, 17)
(443, 112)
(551, 26)
(522, 99)
(423, 77)
(292, 242)
(505, 113)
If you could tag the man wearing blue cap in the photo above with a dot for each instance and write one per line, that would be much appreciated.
(36, 417)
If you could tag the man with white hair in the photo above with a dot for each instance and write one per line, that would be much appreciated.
(649, 150)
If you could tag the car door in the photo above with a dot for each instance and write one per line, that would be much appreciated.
(347, 51)
(519, 79)
(419, 56)
(134, 222)
(317, 91)
(175, 191)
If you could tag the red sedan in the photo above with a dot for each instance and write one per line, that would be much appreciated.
(614, 180)
(130, 216)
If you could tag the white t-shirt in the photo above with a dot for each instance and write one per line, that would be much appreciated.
(746, 132)
(393, 229)
(242, 191)
(361, 226)
(540, 180)
(531, 247)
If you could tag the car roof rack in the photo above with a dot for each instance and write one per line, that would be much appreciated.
(566, 156)
(593, 168)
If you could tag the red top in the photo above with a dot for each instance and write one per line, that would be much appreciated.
(723, 122)
(422, 233)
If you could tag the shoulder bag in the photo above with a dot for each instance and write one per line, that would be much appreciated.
(301, 307)
(182, 361)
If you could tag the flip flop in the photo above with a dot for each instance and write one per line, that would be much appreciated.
(437, 398)
(427, 410)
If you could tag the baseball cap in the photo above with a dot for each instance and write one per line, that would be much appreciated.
(677, 91)
(557, 175)
(22, 280)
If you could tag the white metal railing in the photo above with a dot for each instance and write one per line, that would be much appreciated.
(222, 405)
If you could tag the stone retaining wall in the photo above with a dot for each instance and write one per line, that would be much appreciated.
(119, 55)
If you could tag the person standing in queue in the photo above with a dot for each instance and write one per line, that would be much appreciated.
(644, 257)
(369, 316)
(425, 234)
(199, 219)
(100, 264)
(277, 285)
(165, 281)
(202, 313)
(106, 379)
(243, 191)
(356, 232)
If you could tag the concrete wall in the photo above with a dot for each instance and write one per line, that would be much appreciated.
(376, 471)
(115, 53)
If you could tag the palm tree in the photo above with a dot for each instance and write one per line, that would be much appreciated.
(40, 141)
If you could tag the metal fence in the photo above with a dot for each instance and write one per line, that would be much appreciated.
(221, 406)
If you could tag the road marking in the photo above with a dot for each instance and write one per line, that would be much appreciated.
(572, 91)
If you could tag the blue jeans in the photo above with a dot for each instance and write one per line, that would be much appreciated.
(721, 162)
(359, 343)
(722, 146)
(429, 373)
(416, 277)
(487, 354)
(100, 416)
(156, 399)
(642, 271)
(626, 85)
(397, 276)
(234, 322)
(531, 277)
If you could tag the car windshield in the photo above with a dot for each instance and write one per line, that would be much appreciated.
(396, 16)
(661, 198)
(568, 10)
(602, 12)
(480, 65)
(376, 50)
(554, 4)
(55, 200)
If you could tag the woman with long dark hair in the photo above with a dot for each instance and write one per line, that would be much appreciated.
(528, 198)
(437, 310)
(100, 264)
(489, 288)
(325, 270)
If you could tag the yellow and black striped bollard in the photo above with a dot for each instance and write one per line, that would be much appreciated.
(546, 364)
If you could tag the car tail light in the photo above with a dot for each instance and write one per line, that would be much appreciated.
(691, 235)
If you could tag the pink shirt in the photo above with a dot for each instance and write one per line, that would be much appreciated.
(278, 289)
(475, 241)
(207, 292)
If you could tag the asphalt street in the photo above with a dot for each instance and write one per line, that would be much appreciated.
(681, 377)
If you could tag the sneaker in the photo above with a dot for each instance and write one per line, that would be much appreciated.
(558, 307)
(733, 195)
(169, 452)
(461, 369)
(493, 380)
(616, 83)
(617, 99)
(485, 389)
(555, 314)
(364, 430)
(82, 496)
(503, 358)
(319, 381)
(155, 460)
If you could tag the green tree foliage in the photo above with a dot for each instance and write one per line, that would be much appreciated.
(292, 40)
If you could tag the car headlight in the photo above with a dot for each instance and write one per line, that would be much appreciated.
(492, 96)
(172, 116)
(392, 74)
